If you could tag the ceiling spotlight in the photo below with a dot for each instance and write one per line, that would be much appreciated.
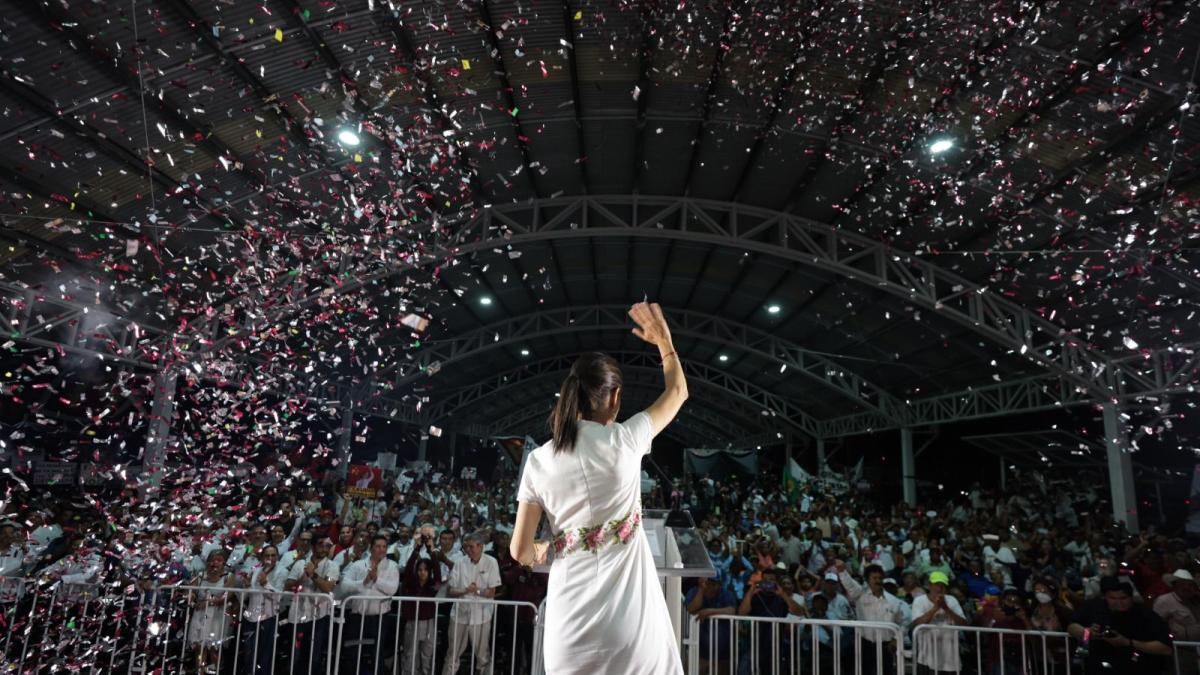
(348, 138)
(773, 309)
(940, 146)
(485, 301)
(524, 352)
(723, 358)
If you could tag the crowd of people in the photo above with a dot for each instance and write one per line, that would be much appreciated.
(251, 567)
(1037, 557)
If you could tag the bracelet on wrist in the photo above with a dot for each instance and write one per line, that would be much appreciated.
(664, 357)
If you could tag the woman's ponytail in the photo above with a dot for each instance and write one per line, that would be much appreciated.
(584, 395)
(564, 421)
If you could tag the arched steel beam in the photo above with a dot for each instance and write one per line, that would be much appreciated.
(732, 422)
(757, 398)
(736, 417)
(530, 420)
(696, 325)
(544, 377)
(788, 237)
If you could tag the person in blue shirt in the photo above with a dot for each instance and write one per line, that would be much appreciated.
(977, 582)
(710, 599)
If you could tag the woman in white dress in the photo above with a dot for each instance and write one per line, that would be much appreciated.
(605, 611)
(209, 624)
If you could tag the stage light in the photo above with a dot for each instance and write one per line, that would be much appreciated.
(524, 352)
(348, 138)
(774, 309)
(940, 146)
(723, 358)
(485, 301)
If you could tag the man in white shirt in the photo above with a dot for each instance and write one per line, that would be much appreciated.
(838, 608)
(78, 571)
(309, 615)
(403, 546)
(369, 632)
(347, 557)
(283, 540)
(475, 576)
(938, 650)
(46, 530)
(873, 603)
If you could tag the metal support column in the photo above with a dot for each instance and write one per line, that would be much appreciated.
(423, 445)
(820, 455)
(345, 437)
(162, 414)
(1120, 469)
(1003, 476)
(908, 466)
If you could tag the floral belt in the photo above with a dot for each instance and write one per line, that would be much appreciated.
(594, 538)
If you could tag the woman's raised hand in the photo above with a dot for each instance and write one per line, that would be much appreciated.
(651, 326)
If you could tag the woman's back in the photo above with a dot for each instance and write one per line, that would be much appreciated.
(596, 482)
(605, 610)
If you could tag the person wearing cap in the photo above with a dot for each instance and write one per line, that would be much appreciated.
(873, 603)
(1121, 637)
(937, 651)
(839, 607)
(1181, 610)
(708, 599)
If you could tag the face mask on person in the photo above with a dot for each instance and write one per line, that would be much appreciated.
(1043, 598)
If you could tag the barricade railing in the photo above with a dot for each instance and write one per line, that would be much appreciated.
(410, 635)
(729, 645)
(1185, 660)
(992, 650)
(51, 626)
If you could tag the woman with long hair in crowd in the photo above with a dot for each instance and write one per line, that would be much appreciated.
(605, 610)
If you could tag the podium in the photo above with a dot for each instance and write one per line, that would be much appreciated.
(679, 553)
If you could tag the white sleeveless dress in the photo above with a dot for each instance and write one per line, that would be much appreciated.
(605, 611)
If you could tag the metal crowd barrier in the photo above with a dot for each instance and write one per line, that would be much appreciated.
(49, 627)
(741, 645)
(1000, 650)
(1186, 658)
(372, 639)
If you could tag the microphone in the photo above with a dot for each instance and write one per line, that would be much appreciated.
(677, 517)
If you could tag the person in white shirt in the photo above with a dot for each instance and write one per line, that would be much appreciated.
(46, 530)
(837, 607)
(13, 559)
(873, 603)
(281, 539)
(475, 576)
(310, 615)
(451, 554)
(402, 548)
(78, 571)
(938, 650)
(261, 609)
(369, 633)
(347, 557)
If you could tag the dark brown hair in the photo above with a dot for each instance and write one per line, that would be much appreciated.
(584, 393)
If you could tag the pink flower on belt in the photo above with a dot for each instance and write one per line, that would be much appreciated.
(569, 539)
(625, 530)
(595, 538)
